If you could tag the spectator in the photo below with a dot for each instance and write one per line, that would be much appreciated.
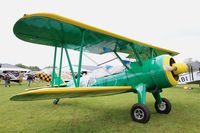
(20, 77)
(29, 79)
(7, 80)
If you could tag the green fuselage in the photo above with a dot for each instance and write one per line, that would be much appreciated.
(151, 73)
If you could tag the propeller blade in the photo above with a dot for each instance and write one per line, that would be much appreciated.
(170, 68)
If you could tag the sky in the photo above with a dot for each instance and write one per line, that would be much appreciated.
(171, 24)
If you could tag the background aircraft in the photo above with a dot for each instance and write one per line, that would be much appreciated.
(152, 70)
(193, 74)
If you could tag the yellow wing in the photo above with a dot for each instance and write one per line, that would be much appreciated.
(53, 93)
(54, 30)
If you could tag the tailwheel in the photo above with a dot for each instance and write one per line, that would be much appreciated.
(140, 113)
(164, 107)
(55, 101)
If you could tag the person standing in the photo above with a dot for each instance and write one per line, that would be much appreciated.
(7, 80)
(20, 77)
(29, 79)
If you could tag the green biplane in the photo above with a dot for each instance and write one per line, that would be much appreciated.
(153, 70)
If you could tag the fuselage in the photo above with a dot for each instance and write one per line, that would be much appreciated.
(151, 72)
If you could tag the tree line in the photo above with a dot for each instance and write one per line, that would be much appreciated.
(33, 68)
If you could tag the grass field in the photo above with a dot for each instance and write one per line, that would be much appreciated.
(100, 114)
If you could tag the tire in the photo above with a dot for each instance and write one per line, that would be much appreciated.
(140, 113)
(164, 107)
(55, 101)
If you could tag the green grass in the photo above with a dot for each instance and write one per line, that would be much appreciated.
(100, 114)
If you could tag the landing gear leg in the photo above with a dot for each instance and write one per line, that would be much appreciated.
(140, 112)
(55, 101)
(162, 105)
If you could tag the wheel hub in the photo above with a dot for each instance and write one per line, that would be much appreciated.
(139, 114)
(162, 106)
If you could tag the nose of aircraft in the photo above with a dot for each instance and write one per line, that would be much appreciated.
(179, 68)
(173, 69)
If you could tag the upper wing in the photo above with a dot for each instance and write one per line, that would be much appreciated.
(53, 30)
(53, 93)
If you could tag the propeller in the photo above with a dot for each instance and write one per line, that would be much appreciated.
(177, 68)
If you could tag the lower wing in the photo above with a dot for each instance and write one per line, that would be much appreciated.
(64, 92)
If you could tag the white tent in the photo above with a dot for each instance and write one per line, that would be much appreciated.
(9, 67)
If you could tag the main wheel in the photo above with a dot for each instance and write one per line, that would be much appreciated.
(140, 113)
(55, 101)
(164, 107)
